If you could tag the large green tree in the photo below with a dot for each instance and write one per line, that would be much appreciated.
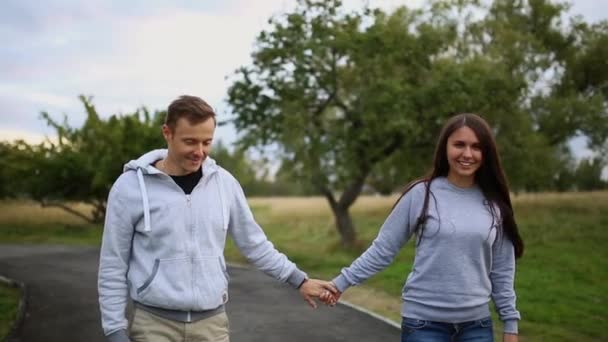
(349, 95)
(331, 94)
(82, 163)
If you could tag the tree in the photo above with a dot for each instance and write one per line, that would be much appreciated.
(588, 175)
(84, 162)
(12, 169)
(236, 162)
(331, 93)
(341, 93)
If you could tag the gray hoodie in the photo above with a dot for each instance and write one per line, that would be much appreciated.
(460, 264)
(164, 248)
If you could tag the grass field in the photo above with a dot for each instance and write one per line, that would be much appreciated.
(562, 280)
(9, 302)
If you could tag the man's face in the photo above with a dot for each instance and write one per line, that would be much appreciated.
(188, 145)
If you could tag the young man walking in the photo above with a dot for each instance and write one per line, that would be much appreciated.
(166, 224)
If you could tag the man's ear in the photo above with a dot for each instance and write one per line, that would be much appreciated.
(167, 134)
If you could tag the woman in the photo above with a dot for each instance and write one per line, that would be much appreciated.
(466, 242)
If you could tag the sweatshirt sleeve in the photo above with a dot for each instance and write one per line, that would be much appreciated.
(113, 266)
(502, 277)
(255, 246)
(394, 233)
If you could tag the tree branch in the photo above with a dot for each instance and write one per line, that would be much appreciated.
(45, 204)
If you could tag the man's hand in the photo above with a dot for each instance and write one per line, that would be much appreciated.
(509, 337)
(330, 298)
(311, 288)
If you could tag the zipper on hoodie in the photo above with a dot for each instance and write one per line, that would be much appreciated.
(192, 252)
(204, 178)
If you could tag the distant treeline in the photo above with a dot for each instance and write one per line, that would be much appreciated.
(82, 164)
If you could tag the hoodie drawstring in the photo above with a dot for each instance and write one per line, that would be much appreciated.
(144, 196)
(222, 203)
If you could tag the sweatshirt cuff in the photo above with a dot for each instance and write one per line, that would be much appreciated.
(510, 326)
(296, 278)
(341, 283)
(118, 336)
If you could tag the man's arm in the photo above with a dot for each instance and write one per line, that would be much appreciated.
(253, 243)
(255, 246)
(113, 266)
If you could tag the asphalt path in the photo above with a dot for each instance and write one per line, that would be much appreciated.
(62, 302)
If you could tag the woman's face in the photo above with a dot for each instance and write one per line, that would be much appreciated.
(464, 156)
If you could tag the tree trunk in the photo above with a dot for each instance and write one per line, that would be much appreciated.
(99, 211)
(344, 224)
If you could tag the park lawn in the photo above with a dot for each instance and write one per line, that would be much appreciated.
(9, 304)
(27, 222)
(561, 280)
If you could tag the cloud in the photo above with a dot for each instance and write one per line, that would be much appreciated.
(10, 135)
(133, 53)
(592, 11)
(31, 95)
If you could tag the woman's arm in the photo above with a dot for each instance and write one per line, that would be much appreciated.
(502, 277)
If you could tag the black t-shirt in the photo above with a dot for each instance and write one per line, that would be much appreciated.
(189, 181)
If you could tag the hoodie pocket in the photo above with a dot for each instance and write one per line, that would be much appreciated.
(211, 282)
(185, 284)
(169, 284)
(224, 269)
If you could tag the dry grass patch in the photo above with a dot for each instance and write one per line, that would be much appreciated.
(31, 213)
(556, 197)
(318, 206)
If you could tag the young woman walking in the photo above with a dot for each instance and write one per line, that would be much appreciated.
(466, 242)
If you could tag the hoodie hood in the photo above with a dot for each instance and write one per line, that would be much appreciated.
(143, 165)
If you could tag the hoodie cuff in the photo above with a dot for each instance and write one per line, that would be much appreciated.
(510, 326)
(296, 278)
(118, 336)
(341, 283)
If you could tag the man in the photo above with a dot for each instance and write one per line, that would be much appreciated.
(166, 223)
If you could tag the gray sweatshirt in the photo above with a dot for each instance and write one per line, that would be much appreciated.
(460, 264)
(165, 249)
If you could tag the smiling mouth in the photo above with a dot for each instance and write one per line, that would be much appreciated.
(467, 164)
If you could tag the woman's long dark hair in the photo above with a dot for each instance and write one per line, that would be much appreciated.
(490, 177)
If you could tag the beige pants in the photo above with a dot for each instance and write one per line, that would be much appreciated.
(147, 327)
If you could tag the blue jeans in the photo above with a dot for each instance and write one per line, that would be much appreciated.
(416, 330)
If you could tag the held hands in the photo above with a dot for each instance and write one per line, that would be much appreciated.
(330, 298)
(323, 290)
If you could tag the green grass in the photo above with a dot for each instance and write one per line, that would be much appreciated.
(54, 233)
(561, 281)
(9, 303)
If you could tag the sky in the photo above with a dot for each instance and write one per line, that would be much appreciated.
(128, 54)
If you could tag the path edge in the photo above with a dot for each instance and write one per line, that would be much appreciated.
(13, 333)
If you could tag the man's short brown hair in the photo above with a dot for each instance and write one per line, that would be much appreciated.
(193, 108)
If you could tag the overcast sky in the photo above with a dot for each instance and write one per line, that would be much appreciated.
(132, 53)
